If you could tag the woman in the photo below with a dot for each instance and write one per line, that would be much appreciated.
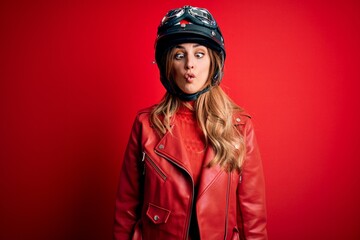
(192, 168)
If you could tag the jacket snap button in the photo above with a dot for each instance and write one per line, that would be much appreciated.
(161, 146)
(238, 119)
(156, 217)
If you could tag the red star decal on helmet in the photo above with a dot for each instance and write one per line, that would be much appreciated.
(184, 22)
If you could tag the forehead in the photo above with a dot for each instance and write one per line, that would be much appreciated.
(189, 46)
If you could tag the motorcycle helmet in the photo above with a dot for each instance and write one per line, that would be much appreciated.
(185, 25)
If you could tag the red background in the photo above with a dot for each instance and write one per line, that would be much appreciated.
(74, 73)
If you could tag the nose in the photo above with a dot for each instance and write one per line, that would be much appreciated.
(189, 62)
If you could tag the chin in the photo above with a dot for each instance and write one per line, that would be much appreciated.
(190, 91)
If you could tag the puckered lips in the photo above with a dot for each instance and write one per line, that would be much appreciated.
(189, 77)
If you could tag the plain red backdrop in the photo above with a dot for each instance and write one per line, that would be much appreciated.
(74, 73)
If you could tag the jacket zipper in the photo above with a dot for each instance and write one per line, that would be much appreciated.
(153, 164)
(227, 205)
(192, 196)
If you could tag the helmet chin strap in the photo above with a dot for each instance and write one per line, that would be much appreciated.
(190, 97)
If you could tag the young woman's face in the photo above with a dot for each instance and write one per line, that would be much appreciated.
(191, 65)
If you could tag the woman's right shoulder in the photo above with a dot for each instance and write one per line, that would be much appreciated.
(144, 113)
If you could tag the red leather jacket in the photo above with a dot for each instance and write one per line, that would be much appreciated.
(156, 192)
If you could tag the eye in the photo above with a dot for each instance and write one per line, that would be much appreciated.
(199, 54)
(179, 55)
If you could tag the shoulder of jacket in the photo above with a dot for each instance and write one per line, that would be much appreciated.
(240, 117)
(144, 114)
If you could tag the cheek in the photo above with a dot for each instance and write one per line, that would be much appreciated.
(206, 68)
(176, 70)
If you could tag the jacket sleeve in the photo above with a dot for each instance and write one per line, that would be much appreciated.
(129, 198)
(251, 189)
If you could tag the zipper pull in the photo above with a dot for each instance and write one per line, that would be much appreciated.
(143, 163)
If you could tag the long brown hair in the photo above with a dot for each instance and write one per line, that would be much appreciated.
(213, 110)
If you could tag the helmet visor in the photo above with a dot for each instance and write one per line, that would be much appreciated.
(200, 16)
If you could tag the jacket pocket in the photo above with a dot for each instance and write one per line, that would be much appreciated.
(157, 215)
(149, 162)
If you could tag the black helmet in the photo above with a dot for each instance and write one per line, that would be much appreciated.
(184, 25)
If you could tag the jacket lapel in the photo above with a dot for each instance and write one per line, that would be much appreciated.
(209, 174)
(172, 148)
